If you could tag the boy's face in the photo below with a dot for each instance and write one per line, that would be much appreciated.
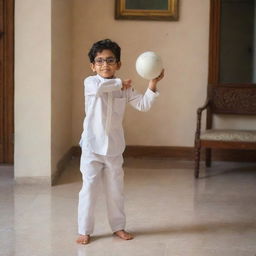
(105, 64)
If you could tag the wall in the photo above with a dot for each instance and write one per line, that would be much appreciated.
(49, 77)
(32, 89)
(183, 46)
(43, 87)
(61, 97)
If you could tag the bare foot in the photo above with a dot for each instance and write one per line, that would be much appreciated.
(83, 239)
(124, 235)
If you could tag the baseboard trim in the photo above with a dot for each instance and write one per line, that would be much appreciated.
(177, 153)
(187, 153)
(183, 153)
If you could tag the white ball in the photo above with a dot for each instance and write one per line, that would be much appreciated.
(149, 65)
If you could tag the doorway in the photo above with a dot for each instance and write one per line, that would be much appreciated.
(232, 56)
(6, 81)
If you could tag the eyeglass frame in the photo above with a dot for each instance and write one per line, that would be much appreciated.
(105, 60)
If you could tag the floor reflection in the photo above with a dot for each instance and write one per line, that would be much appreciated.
(169, 212)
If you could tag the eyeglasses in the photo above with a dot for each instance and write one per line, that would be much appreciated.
(109, 61)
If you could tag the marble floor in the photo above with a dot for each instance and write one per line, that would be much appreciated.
(170, 213)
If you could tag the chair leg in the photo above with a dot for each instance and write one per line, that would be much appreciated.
(208, 157)
(197, 160)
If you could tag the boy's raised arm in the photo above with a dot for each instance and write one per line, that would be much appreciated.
(144, 102)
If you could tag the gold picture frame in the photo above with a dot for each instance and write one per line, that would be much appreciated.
(147, 9)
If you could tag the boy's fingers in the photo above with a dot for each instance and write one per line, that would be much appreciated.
(160, 76)
(128, 81)
(126, 84)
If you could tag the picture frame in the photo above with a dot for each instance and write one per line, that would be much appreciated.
(165, 10)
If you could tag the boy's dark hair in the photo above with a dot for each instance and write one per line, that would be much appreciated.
(105, 44)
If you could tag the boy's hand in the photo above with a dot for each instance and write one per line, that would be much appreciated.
(126, 84)
(152, 83)
(160, 77)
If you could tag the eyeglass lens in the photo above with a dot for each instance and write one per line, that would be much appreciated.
(110, 60)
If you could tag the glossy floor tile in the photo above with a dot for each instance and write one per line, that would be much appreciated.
(170, 213)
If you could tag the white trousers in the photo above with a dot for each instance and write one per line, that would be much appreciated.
(94, 168)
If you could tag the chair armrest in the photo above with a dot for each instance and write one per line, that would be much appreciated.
(201, 109)
(199, 117)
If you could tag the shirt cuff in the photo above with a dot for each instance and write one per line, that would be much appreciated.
(152, 94)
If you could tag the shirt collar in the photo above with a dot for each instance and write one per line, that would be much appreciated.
(102, 79)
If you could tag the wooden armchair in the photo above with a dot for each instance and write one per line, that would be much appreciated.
(223, 100)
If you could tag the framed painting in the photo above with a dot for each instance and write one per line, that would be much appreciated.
(147, 9)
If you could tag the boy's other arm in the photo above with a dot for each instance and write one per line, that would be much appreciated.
(144, 102)
(141, 102)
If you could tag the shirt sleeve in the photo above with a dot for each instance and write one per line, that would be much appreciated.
(139, 101)
(96, 87)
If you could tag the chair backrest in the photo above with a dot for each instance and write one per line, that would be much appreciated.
(235, 100)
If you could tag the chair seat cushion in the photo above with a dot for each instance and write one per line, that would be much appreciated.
(229, 135)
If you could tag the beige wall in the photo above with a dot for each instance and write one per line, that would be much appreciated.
(49, 101)
(43, 87)
(61, 97)
(183, 46)
(32, 89)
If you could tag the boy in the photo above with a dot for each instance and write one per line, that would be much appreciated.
(102, 140)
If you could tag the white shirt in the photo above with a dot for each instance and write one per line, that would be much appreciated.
(105, 106)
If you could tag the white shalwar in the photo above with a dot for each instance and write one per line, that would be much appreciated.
(102, 144)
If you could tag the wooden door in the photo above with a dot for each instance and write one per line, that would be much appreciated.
(232, 57)
(6, 81)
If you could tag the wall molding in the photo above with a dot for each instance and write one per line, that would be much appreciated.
(177, 153)
(183, 153)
